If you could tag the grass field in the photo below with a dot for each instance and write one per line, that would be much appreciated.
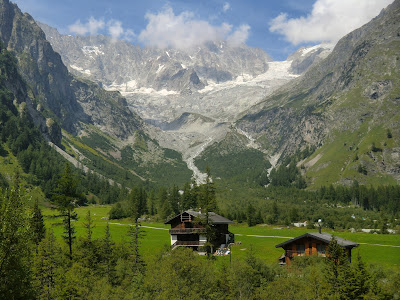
(262, 239)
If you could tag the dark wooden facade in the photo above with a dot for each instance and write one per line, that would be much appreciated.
(188, 230)
(311, 244)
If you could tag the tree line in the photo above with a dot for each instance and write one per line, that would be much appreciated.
(35, 265)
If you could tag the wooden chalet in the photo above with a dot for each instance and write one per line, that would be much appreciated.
(312, 243)
(188, 230)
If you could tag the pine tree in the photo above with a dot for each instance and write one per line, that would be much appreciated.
(108, 260)
(207, 194)
(251, 215)
(136, 235)
(37, 224)
(15, 245)
(338, 272)
(47, 261)
(66, 196)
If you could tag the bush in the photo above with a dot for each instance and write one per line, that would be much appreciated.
(118, 212)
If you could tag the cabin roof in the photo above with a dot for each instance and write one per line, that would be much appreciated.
(213, 217)
(324, 237)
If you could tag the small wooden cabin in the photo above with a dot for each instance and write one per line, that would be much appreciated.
(188, 230)
(312, 243)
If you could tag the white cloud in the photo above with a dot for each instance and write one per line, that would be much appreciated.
(239, 36)
(184, 31)
(115, 29)
(329, 20)
(91, 27)
(226, 6)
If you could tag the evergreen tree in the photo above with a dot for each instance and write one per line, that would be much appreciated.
(107, 257)
(338, 272)
(66, 196)
(275, 213)
(136, 235)
(46, 266)
(207, 194)
(15, 238)
(37, 224)
(251, 217)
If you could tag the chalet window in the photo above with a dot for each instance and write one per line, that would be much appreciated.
(321, 248)
(300, 249)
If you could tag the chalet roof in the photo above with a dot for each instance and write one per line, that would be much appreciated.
(213, 217)
(324, 237)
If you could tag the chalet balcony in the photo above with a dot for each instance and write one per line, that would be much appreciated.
(187, 231)
(188, 244)
(291, 253)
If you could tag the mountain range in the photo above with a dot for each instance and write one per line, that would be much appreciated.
(159, 114)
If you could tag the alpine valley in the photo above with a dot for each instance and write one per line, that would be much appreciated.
(120, 163)
(160, 116)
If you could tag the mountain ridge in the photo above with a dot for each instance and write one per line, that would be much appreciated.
(353, 89)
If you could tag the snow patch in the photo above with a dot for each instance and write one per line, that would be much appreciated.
(160, 67)
(88, 50)
(277, 70)
(79, 69)
(76, 68)
(309, 49)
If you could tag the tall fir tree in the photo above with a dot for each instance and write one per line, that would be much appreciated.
(37, 224)
(47, 264)
(66, 196)
(15, 245)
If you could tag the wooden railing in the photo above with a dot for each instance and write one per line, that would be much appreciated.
(188, 243)
(187, 230)
(291, 253)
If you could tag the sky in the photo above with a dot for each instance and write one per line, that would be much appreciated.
(279, 27)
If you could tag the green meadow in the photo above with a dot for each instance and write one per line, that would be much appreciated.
(374, 248)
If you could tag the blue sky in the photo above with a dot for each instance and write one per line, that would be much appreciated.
(278, 27)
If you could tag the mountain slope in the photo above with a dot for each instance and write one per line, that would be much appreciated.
(85, 111)
(116, 63)
(342, 105)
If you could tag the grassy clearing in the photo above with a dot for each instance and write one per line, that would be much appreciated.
(261, 239)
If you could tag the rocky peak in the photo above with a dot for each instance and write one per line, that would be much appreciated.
(69, 100)
(118, 63)
(305, 57)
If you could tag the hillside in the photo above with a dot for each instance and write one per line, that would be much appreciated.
(346, 106)
(98, 128)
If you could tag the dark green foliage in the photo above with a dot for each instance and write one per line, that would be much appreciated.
(118, 211)
(251, 215)
(66, 198)
(15, 250)
(345, 281)
(46, 271)
(287, 176)
(37, 224)
(389, 134)
(207, 194)
(375, 149)
(247, 165)
(136, 234)
(138, 202)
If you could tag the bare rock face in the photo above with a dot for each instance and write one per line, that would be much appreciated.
(120, 64)
(345, 99)
(305, 57)
(378, 89)
(54, 131)
(59, 92)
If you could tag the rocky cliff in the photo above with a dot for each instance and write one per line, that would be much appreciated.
(342, 106)
(99, 129)
(70, 100)
(116, 63)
